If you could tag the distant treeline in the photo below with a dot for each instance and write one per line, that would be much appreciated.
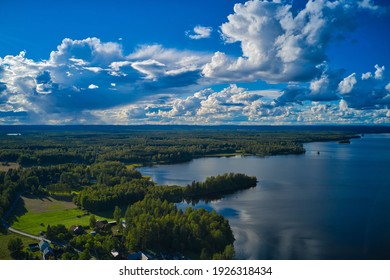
(151, 146)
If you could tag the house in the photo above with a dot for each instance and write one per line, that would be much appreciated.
(101, 224)
(113, 223)
(144, 257)
(114, 253)
(76, 229)
(46, 250)
(137, 256)
(104, 225)
(47, 254)
(43, 244)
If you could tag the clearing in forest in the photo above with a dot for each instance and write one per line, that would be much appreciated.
(36, 213)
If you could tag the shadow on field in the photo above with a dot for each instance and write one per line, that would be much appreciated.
(42, 197)
(61, 197)
(37, 196)
(19, 211)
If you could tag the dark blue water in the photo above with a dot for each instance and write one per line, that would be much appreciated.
(332, 205)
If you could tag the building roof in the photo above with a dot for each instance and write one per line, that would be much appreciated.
(114, 253)
(137, 256)
(43, 244)
(76, 229)
(101, 224)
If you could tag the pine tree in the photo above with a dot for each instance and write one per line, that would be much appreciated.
(92, 221)
(117, 214)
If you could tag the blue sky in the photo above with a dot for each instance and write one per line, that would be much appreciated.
(194, 62)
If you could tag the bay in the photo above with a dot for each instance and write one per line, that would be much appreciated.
(334, 204)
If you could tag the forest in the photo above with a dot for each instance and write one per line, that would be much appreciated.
(160, 226)
(40, 146)
(101, 196)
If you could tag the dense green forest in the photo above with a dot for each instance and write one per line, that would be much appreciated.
(157, 225)
(98, 197)
(95, 166)
(148, 146)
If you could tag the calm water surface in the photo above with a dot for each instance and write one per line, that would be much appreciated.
(335, 205)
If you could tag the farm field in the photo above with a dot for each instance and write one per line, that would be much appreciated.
(5, 166)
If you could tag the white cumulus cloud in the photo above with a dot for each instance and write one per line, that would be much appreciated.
(368, 92)
(346, 85)
(279, 44)
(199, 32)
(343, 105)
(379, 72)
(92, 86)
(366, 75)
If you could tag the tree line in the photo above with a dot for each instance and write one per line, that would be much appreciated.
(151, 146)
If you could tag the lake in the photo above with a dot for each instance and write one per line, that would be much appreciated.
(331, 205)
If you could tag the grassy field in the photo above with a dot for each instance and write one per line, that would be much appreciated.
(4, 239)
(10, 165)
(36, 213)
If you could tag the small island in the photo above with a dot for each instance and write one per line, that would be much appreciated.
(346, 141)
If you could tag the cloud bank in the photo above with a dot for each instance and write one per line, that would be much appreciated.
(83, 75)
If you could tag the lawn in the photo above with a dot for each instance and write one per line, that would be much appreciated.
(4, 239)
(39, 212)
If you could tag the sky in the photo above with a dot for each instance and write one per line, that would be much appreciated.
(258, 62)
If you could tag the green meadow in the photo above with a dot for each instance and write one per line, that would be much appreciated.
(39, 212)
